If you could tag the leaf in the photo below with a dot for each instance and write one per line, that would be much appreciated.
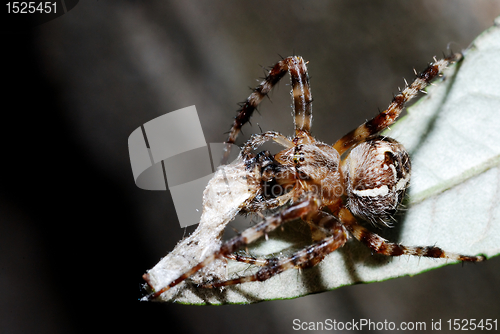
(453, 137)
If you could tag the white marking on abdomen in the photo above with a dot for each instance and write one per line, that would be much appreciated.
(380, 191)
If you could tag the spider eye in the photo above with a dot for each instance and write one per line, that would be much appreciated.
(298, 158)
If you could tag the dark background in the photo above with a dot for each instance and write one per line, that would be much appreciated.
(76, 234)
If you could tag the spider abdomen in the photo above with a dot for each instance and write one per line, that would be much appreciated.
(376, 174)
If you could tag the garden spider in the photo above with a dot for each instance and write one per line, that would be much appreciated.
(362, 176)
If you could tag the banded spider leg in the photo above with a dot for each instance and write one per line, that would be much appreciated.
(301, 93)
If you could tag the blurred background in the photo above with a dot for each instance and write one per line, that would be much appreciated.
(76, 234)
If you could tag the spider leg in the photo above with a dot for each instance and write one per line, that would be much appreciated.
(388, 116)
(382, 246)
(258, 140)
(272, 203)
(305, 258)
(298, 210)
(321, 225)
(301, 94)
(248, 259)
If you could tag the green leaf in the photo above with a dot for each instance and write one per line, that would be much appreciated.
(453, 136)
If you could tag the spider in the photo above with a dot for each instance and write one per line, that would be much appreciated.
(363, 176)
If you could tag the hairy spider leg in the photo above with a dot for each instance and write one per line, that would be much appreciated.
(259, 139)
(248, 259)
(298, 210)
(382, 246)
(305, 258)
(389, 116)
(322, 224)
(269, 204)
(301, 94)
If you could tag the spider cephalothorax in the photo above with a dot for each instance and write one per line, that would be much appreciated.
(362, 176)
